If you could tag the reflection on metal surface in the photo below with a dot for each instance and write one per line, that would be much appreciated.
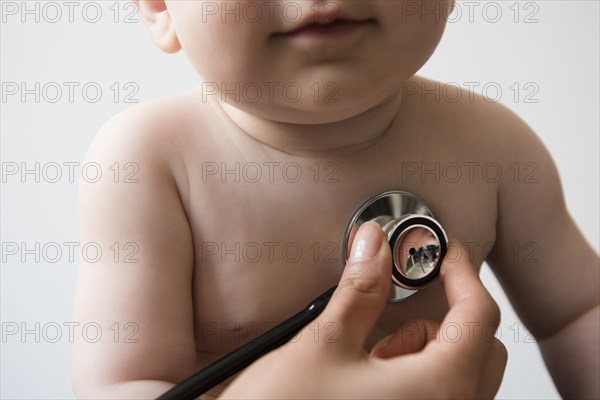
(417, 240)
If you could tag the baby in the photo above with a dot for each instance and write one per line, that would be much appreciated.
(240, 191)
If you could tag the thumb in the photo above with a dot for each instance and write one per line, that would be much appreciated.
(364, 288)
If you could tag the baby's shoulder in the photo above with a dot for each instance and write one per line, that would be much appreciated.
(460, 117)
(153, 128)
(155, 141)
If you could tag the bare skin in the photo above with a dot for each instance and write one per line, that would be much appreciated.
(395, 367)
(186, 300)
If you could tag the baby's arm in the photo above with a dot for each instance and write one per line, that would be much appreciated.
(547, 268)
(144, 306)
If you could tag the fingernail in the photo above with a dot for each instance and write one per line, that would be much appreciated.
(367, 242)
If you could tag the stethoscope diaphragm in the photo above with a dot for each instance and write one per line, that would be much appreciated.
(417, 240)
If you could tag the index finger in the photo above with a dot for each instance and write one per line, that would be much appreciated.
(467, 331)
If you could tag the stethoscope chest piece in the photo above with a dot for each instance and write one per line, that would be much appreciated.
(417, 241)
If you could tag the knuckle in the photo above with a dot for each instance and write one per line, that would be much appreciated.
(501, 352)
(449, 267)
(356, 281)
(492, 311)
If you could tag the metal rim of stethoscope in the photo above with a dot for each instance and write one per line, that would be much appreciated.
(409, 212)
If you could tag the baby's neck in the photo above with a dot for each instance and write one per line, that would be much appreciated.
(309, 140)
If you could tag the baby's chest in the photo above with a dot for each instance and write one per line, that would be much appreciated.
(262, 252)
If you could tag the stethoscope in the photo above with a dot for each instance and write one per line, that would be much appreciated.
(418, 244)
(417, 241)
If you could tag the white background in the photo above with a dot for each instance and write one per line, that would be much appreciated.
(559, 53)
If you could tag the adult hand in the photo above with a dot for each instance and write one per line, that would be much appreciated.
(417, 361)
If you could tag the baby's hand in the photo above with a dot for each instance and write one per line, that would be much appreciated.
(458, 359)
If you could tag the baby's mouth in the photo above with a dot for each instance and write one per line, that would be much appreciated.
(333, 28)
(321, 35)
